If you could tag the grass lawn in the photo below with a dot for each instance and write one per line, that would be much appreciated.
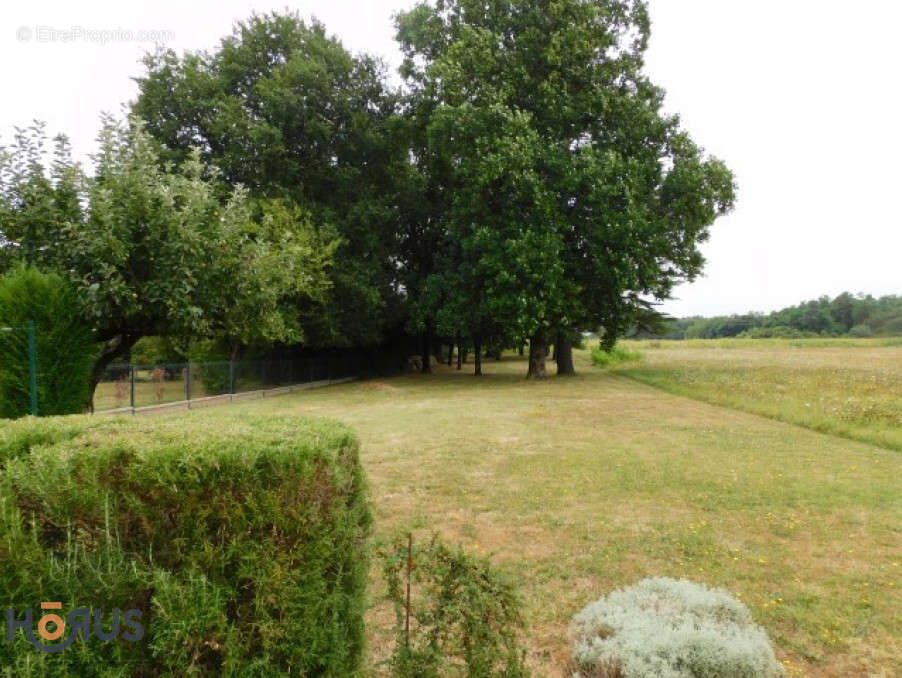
(580, 485)
(851, 388)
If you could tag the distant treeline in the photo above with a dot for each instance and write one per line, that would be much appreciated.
(845, 315)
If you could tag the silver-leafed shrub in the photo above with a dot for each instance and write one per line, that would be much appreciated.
(667, 628)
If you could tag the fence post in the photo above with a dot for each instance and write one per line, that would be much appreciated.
(231, 377)
(188, 382)
(131, 386)
(32, 367)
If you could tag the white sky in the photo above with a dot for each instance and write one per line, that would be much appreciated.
(801, 98)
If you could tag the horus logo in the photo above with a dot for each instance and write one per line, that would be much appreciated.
(52, 627)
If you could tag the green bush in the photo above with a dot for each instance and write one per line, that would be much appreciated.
(210, 364)
(242, 542)
(667, 628)
(617, 355)
(65, 347)
(464, 616)
(775, 332)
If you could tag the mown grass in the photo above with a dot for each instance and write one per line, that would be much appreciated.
(846, 387)
(577, 486)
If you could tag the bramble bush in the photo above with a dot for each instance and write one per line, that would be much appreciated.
(243, 543)
(464, 616)
(667, 628)
(65, 346)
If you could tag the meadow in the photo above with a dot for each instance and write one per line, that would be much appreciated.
(846, 387)
(579, 485)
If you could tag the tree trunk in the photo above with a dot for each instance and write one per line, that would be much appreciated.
(460, 353)
(112, 349)
(437, 349)
(426, 352)
(450, 352)
(538, 352)
(520, 350)
(564, 351)
(477, 355)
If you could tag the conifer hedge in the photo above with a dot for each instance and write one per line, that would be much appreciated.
(65, 347)
(240, 540)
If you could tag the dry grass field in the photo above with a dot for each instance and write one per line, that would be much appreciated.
(580, 485)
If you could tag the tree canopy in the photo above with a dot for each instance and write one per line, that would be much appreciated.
(152, 248)
(574, 198)
(846, 314)
(523, 184)
(286, 111)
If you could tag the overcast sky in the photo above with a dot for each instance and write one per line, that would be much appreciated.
(801, 98)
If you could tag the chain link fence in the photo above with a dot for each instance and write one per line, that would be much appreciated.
(130, 385)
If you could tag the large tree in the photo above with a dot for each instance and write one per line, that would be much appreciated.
(285, 110)
(156, 249)
(558, 141)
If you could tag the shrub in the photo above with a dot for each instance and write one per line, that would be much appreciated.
(464, 617)
(666, 628)
(616, 356)
(243, 543)
(775, 332)
(65, 347)
(861, 330)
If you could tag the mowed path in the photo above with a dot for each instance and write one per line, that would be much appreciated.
(580, 485)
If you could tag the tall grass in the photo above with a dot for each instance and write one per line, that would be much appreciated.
(846, 387)
(767, 343)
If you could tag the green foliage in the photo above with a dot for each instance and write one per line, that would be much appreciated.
(36, 201)
(464, 615)
(161, 250)
(243, 545)
(712, 328)
(65, 344)
(284, 109)
(844, 315)
(616, 356)
(775, 332)
(563, 187)
(666, 628)
(525, 184)
(156, 351)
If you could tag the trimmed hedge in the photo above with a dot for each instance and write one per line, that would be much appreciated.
(242, 541)
(65, 344)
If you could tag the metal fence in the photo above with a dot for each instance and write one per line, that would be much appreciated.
(130, 385)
